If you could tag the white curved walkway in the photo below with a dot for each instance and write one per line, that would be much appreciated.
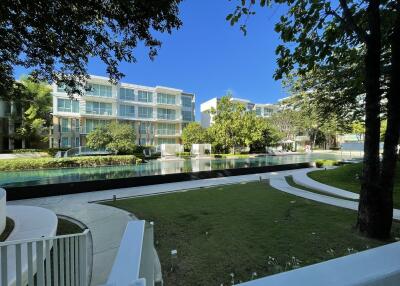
(300, 177)
(280, 184)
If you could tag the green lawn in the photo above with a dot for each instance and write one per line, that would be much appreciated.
(346, 178)
(242, 229)
(67, 227)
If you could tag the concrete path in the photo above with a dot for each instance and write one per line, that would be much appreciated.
(280, 183)
(107, 224)
(300, 177)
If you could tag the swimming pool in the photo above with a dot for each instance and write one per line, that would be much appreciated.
(153, 167)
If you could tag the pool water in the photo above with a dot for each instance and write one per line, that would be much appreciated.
(153, 167)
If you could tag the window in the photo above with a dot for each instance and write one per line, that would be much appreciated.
(258, 111)
(102, 108)
(65, 142)
(145, 112)
(67, 105)
(166, 129)
(186, 101)
(99, 90)
(163, 98)
(77, 141)
(77, 125)
(91, 124)
(163, 113)
(145, 128)
(142, 141)
(126, 94)
(127, 110)
(268, 111)
(145, 96)
(187, 115)
(61, 88)
(65, 125)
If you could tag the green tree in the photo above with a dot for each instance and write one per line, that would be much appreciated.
(261, 134)
(326, 36)
(36, 106)
(227, 130)
(287, 122)
(116, 137)
(55, 39)
(358, 128)
(194, 133)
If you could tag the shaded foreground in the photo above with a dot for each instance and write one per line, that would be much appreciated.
(247, 230)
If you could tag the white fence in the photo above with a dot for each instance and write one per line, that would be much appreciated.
(135, 261)
(59, 261)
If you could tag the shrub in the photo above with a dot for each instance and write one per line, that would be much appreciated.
(326, 163)
(50, 163)
(183, 154)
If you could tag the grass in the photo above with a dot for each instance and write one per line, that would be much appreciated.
(347, 177)
(67, 227)
(7, 230)
(291, 182)
(242, 229)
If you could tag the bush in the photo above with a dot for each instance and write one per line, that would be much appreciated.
(326, 163)
(335, 148)
(51, 163)
(183, 154)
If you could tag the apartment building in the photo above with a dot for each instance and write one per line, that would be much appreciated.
(261, 109)
(158, 114)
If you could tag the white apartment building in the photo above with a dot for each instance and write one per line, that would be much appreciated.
(261, 109)
(158, 114)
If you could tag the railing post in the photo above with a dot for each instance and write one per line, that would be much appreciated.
(4, 277)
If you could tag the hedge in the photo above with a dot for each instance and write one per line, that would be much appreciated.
(326, 163)
(51, 163)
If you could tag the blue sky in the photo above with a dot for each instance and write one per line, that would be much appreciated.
(208, 57)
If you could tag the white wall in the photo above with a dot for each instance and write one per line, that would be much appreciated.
(2, 210)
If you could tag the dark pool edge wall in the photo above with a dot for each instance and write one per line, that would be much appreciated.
(37, 191)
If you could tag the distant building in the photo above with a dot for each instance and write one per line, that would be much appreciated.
(261, 109)
(158, 114)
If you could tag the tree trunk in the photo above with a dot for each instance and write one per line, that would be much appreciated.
(372, 209)
(392, 129)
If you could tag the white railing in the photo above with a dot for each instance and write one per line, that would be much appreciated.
(379, 266)
(61, 260)
(135, 261)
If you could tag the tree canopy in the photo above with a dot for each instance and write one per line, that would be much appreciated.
(194, 133)
(115, 137)
(347, 51)
(55, 39)
(35, 103)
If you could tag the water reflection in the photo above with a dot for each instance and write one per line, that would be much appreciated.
(155, 167)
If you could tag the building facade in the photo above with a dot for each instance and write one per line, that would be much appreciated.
(158, 114)
(261, 109)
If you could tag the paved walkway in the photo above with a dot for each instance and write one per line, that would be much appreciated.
(107, 224)
(281, 184)
(300, 177)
